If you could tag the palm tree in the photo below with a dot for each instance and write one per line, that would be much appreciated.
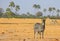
(17, 8)
(36, 6)
(54, 21)
(58, 11)
(11, 4)
(50, 9)
(53, 9)
(44, 10)
(1, 12)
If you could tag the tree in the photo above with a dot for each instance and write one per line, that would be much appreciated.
(8, 9)
(53, 9)
(23, 15)
(44, 10)
(11, 4)
(50, 9)
(9, 13)
(38, 14)
(17, 8)
(37, 7)
(1, 12)
(28, 14)
(58, 11)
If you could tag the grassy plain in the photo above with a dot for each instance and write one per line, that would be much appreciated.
(15, 29)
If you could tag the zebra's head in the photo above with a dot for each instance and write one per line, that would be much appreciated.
(43, 20)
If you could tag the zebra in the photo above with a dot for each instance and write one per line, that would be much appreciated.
(39, 28)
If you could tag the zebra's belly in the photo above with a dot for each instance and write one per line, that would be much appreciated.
(40, 30)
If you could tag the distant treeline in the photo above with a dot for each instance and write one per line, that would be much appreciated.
(9, 13)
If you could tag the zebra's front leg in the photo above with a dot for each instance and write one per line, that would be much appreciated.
(42, 34)
(34, 33)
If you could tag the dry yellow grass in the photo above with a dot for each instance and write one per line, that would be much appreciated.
(20, 29)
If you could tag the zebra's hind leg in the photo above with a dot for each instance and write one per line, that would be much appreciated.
(39, 34)
(35, 34)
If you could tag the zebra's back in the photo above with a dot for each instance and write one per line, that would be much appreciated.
(38, 27)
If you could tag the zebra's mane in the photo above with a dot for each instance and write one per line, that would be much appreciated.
(39, 24)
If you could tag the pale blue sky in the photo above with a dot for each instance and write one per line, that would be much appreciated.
(26, 5)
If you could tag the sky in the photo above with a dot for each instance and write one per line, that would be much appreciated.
(27, 5)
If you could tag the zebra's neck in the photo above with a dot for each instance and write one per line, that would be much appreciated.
(43, 23)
